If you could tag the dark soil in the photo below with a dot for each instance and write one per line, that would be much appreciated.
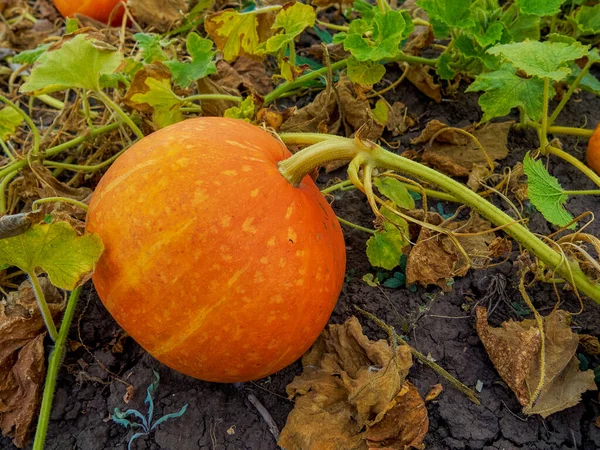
(221, 417)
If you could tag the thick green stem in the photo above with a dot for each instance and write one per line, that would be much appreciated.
(572, 88)
(306, 160)
(567, 131)
(233, 98)
(333, 26)
(543, 131)
(58, 199)
(54, 363)
(18, 165)
(116, 108)
(28, 121)
(574, 162)
(302, 80)
(41, 299)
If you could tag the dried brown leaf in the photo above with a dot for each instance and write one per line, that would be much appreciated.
(215, 107)
(423, 80)
(160, 14)
(590, 344)
(515, 348)
(433, 127)
(349, 383)
(436, 258)
(477, 176)
(156, 70)
(22, 366)
(458, 160)
(404, 426)
(434, 392)
(245, 73)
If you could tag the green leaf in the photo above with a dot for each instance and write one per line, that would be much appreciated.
(31, 56)
(525, 26)
(443, 69)
(78, 63)
(55, 249)
(72, 25)
(385, 33)
(202, 64)
(541, 59)
(367, 11)
(398, 280)
(491, 35)
(588, 83)
(151, 46)
(293, 20)
(10, 120)
(539, 7)
(370, 279)
(162, 99)
(380, 113)
(395, 191)
(384, 248)
(324, 35)
(453, 13)
(545, 193)
(588, 19)
(365, 73)
(245, 111)
(504, 90)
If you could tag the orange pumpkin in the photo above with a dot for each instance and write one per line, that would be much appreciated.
(593, 151)
(213, 262)
(96, 9)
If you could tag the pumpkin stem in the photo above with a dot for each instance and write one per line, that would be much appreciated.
(296, 167)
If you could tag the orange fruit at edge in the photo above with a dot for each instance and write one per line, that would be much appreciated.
(592, 156)
(213, 262)
(96, 9)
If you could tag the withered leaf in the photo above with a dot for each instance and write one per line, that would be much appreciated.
(458, 160)
(590, 344)
(404, 426)
(436, 258)
(515, 348)
(22, 366)
(434, 126)
(160, 14)
(215, 107)
(244, 72)
(419, 76)
(351, 384)
(337, 105)
(434, 392)
(478, 174)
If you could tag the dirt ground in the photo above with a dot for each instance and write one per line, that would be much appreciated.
(221, 417)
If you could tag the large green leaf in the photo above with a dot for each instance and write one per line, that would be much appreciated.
(545, 192)
(540, 7)
(55, 249)
(453, 13)
(541, 59)
(384, 248)
(77, 63)
(504, 90)
(292, 21)
(588, 19)
(365, 73)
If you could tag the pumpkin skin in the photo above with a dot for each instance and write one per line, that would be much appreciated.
(96, 9)
(592, 156)
(213, 262)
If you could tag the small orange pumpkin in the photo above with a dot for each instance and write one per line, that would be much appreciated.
(592, 156)
(96, 9)
(213, 262)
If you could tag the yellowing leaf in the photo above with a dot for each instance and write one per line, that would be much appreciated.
(245, 111)
(9, 121)
(293, 20)
(238, 34)
(150, 92)
(77, 63)
(55, 249)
